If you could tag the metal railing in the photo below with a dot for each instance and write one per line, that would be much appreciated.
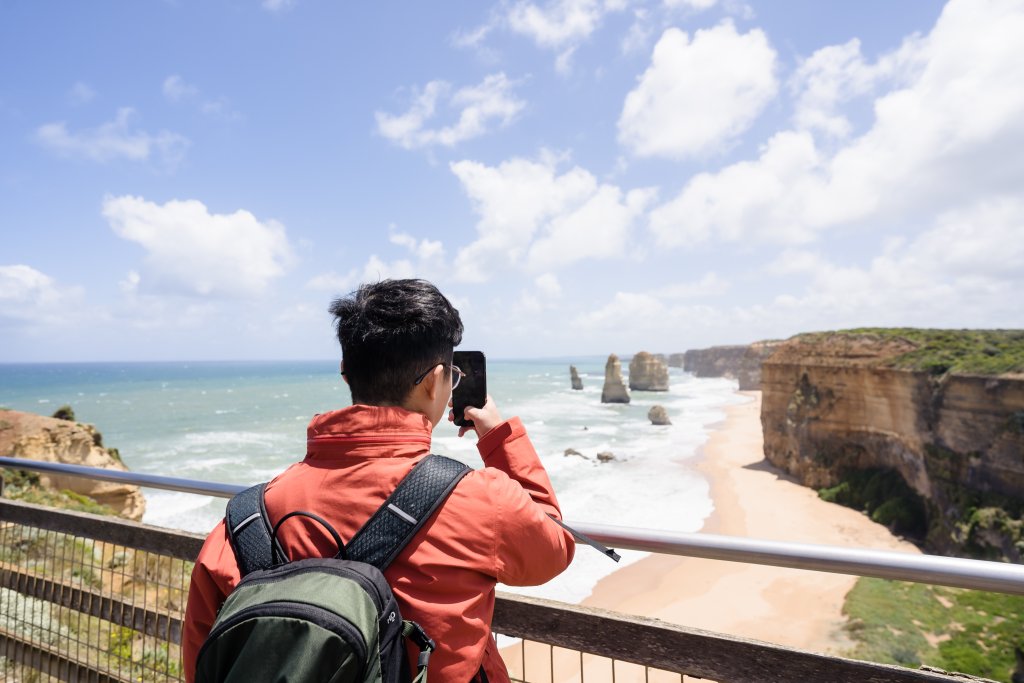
(91, 598)
(998, 577)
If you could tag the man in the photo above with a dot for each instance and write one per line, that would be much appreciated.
(397, 338)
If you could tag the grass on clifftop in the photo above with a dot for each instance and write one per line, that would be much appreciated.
(973, 632)
(983, 352)
(24, 485)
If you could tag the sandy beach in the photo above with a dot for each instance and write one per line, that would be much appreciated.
(792, 607)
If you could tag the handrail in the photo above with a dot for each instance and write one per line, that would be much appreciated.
(998, 577)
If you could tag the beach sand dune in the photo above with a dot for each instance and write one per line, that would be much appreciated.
(791, 607)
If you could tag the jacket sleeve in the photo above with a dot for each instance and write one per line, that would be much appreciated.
(529, 547)
(214, 576)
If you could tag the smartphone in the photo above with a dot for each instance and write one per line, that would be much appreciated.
(472, 390)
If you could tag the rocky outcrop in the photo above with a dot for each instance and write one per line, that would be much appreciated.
(574, 377)
(742, 363)
(614, 390)
(658, 416)
(831, 407)
(24, 435)
(648, 373)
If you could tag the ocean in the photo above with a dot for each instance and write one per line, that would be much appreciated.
(242, 422)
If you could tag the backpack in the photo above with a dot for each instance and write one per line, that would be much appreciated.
(323, 619)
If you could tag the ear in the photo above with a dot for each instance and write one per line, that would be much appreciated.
(341, 368)
(432, 382)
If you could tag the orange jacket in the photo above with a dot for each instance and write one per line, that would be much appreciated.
(493, 528)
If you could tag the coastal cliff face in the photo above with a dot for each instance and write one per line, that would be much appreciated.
(831, 407)
(648, 373)
(24, 435)
(742, 363)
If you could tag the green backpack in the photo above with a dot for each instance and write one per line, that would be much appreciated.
(323, 619)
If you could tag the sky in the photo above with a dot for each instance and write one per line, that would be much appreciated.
(198, 180)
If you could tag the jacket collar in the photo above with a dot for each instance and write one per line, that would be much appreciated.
(368, 431)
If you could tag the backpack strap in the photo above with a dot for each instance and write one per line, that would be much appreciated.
(378, 542)
(249, 530)
(406, 510)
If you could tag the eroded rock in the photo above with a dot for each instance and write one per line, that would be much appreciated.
(614, 390)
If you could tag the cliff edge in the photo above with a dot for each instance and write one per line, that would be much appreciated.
(924, 428)
(742, 363)
(50, 439)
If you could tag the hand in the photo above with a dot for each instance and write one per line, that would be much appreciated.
(484, 419)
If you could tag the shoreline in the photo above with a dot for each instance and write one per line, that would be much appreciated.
(791, 607)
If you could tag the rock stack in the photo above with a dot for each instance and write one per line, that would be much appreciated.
(658, 416)
(577, 383)
(648, 373)
(614, 390)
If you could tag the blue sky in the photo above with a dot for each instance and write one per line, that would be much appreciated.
(197, 180)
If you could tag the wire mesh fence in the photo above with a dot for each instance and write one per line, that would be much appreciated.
(99, 599)
(535, 662)
(71, 604)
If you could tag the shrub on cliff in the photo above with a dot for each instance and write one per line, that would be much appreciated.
(65, 412)
(981, 352)
(25, 486)
(884, 496)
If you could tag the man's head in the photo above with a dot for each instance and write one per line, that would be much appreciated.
(391, 332)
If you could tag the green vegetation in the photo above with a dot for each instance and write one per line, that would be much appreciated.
(25, 486)
(982, 352)
(911, 624)
(883, 496)
(65, 412)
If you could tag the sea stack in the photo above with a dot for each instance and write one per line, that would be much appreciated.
(648, 373)
(577, 383)
(614, 390)
(658, 416)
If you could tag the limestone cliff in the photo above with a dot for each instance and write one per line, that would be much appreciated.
(614, 390)
(648, 373)
(742, 363)
(24, 435)
(836, 404)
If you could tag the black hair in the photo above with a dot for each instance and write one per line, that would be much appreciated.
(390, 332)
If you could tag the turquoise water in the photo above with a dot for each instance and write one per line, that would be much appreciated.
(244, 422)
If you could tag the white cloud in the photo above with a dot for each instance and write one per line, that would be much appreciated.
(479, 107)
(767, 197)
(176, 89)
(697, 5)
(427, 262)
(113, 140)
(190, 250)
(838, 73)
(548, 285)
(710, 285)
(278, 5)
(130, 283)
(698, 95)
(531, 216)
(28, 294)
(966, 269)
(559, 25)
(81, 93)
(949, 137)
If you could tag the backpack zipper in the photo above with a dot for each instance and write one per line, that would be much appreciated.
(364, 581)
